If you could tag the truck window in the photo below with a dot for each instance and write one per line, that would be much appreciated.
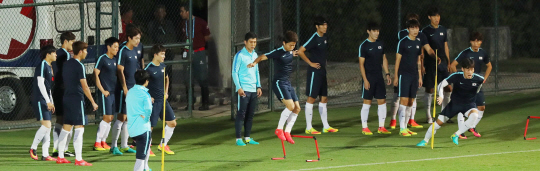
(67, 18)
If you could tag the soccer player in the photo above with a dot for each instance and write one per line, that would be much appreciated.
(283, 59)
(139, 107)
(62, 55)
(480, 57)
(248, 86)
(423, 39)
(467, 84)
(126, 66)
(42, 102)
(316, 75)
(408, 74)
(76, 88)
(105, 73)
(438, 39)
(157, 86)
(138, 49)
(371, 57)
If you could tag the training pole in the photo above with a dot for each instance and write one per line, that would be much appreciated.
(163, 120)
(434, 102)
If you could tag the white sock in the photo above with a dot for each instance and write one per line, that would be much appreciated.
(381, 111)
(429, 100)
(290, 122)
(238, 139)
(408, 110)
(446, 99)
(309, 115)
(116, 132)
(101, 130)
(413, 109)
(428, 133)
(395, 106)
(324, 115)
(246, 138)
(40, 133)
(125, 136)
(480, 115)
(465, 125)
(139, 165)
(69, 139)
(284, 116)
(402, 122)
(46, 143)
(78, 143)
(56, 133)
(471, 120)
(364, 114)
(106, 133)
(146, 167)
(168, 134)
(62, 138)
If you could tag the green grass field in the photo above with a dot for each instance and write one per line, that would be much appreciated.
(208, 144)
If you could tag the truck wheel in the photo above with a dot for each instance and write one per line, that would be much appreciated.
(14, 101)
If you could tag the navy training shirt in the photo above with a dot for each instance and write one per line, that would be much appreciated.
(480, 58)
(282, 63)
(155, 82)
(436, 38)
(140, 51)
(73, 72)
(42, 70)
(464, 89)
(404, 33)
(107, 72)
(62, 55)
(409, 50)
(373, 53)
(318, 51)
(128, 58)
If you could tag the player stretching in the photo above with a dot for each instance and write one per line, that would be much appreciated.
(42, 102)
(316, 75)
(105, 73)
(283, 59)
(480, 57)
(467, 84)
(371, 54)
(408, 76)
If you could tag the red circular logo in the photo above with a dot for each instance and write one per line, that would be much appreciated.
(18, 27)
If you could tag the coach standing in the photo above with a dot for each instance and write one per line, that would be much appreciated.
(200, 34)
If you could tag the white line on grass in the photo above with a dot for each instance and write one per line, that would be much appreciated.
(428, 159)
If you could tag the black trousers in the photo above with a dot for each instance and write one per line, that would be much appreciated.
(244, 115)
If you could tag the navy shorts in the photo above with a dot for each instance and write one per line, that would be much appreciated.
(143, 144)
(157, 112)
(480, 99)
(407, 86)
(284, 90)
(316, 84)
(452, 109)
(429, 78)
(40, 110)
(106, 104)
(376, 90)
(74, 111)
(120, 101)
(58, 98)
(442, 72)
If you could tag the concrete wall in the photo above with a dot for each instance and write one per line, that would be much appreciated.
(219, 22)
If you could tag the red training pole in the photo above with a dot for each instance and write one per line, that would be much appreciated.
(317, 146)
(301, 136)
(526, 127)
(283, 145)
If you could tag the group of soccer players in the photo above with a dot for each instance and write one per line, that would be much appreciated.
(60, 85)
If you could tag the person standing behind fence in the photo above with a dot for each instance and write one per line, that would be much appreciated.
(200, 33)
(62, 55)
(42, 102)
(126, 13)
(248, 86)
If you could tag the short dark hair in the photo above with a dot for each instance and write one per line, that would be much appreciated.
(319, 20)
(250, 35)
(45, 50)
(125, 8)
(412, 23)
(155, 50)
(290, 36)
(111, 40)
(412, 16)
(132, 30)
(141, 76)
(467, 63)
(372, 25)
(433, 11)
(66, 36)
(186, 7)
(78, 46)
(476, 36)
(160, 6)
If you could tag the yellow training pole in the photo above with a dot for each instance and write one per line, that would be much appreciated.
(163, 132)
(434, 102)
